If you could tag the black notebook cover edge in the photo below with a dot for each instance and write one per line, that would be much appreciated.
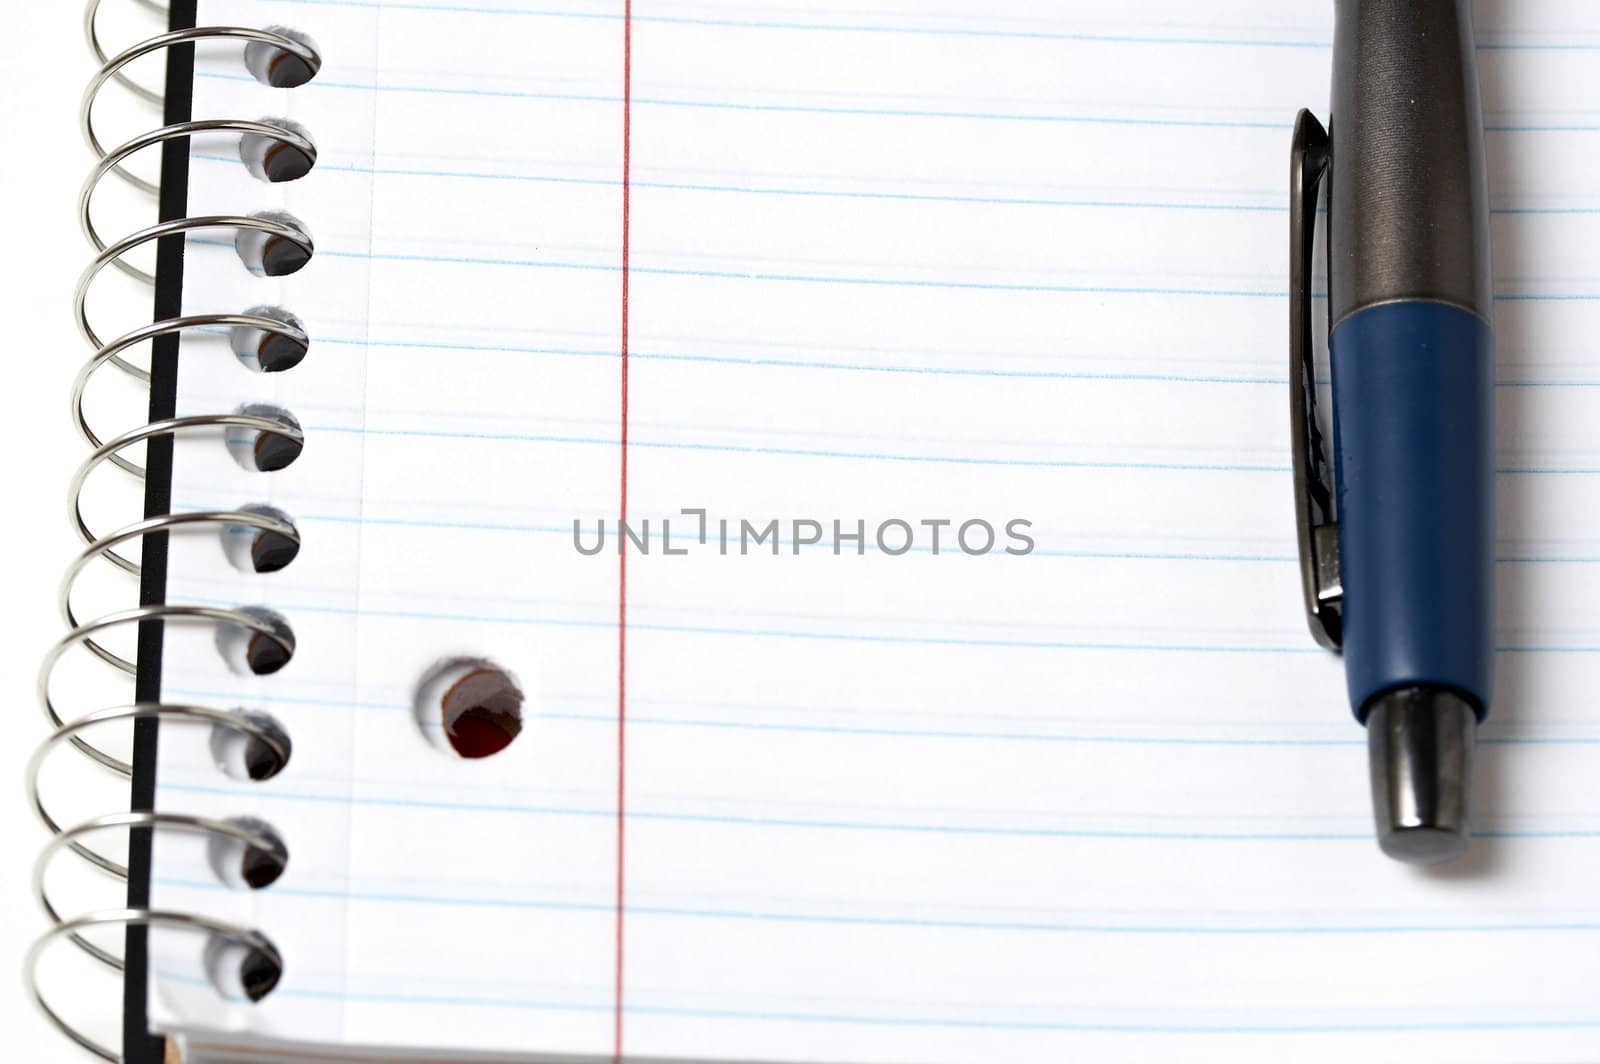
(139, 1046)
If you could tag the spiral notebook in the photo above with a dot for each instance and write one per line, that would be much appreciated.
(834, 461)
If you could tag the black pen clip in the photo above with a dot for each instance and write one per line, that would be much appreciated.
(1316, 530)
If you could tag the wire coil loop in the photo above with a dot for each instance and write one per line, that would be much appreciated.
(272, 228)
(239, 723)
(109, 452)
(274, 327)
(113, 66)
(254, 941)
(280, 134)
(275, 150)
(68, 838)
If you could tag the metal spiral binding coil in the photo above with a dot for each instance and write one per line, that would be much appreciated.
(274, 744)
(109, 451)
(254, 941)
(114, 65)
(91, 32)
(109, 351)
(269, 748)
(271, 227)
(113, 160)
(68, 839)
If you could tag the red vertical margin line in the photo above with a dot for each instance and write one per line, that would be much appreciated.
(622, 555)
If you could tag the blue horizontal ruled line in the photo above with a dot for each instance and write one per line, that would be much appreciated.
(859, 637)
(566, 530)
(633, 1008)
(728, 819)
(808, 278)
(316, 994)
(880, 456)
(800, 452)
(756, 190)
(781, 108)
(1533, 648)
(1553, 127)
(892, 282)
(808, 824)
(949, 1022)
(1547, 384)
(881, 282)
(1086, 739)
(903, 30)
(910, 922)
(1080, 738)
(1107, 555)
(869, 367)
(789, 633)
(854, 367)
(482, 526)
(1539, 46)
(1526, 471)
(646, 720)
(886, 282)
(1544, 210)
(612, 354)
(826, 27)
(865, 112)
(786, 544)
(914, 197)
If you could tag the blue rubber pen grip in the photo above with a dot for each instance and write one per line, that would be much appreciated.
(1413, 389)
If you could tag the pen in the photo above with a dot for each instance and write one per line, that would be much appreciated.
(1396, 541)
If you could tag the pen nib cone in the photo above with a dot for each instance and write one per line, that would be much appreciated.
(1419, 744)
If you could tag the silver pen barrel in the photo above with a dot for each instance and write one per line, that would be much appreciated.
(1408, 205)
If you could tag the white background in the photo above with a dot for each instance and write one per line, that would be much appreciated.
(45, 68)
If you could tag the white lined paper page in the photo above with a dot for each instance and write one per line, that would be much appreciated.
(1101, 802)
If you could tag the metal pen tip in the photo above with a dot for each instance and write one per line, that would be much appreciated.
(1419, 746)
